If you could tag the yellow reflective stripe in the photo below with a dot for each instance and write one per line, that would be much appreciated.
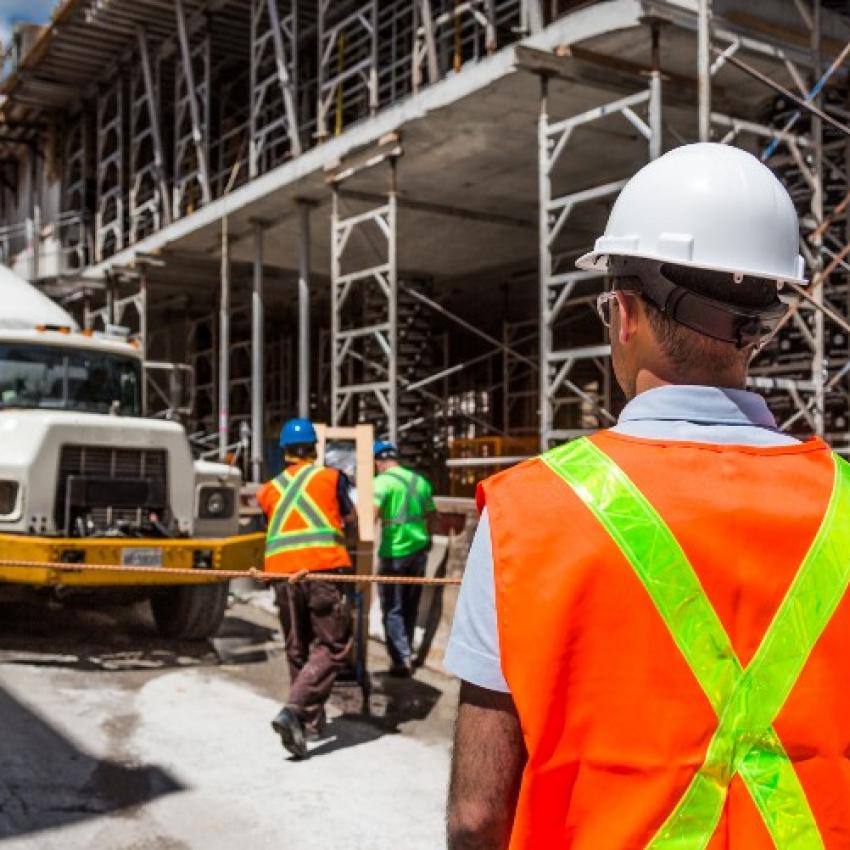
(312, 513)
(807, 608)
(744, 742)
(304, 540)
(318, 533)
(411, 486)
(290, 488)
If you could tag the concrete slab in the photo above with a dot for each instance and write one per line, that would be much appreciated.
(172, 749)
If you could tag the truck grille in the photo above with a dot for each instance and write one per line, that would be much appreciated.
(97, 462)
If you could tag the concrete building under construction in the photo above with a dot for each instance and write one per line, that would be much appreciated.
(369, 210)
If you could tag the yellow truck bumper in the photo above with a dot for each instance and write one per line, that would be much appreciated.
(230, 553)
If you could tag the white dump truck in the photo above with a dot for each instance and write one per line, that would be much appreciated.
(86, 478)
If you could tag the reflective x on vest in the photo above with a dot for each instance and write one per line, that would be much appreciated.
(404, 515)
(746, 701)
(294, 499)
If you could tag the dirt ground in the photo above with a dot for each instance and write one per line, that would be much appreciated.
(115, 738)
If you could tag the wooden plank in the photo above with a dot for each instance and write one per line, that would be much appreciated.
(362, 436)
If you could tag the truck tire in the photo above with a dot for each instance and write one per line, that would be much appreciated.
(189, 612)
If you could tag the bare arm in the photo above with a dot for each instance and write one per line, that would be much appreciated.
(489, 756)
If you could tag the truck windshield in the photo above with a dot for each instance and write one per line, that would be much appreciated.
(58, 378)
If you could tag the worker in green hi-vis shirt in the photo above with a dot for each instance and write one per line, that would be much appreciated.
(405, 506)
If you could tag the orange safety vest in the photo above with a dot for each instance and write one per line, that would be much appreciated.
(305, 529)
(616, 723)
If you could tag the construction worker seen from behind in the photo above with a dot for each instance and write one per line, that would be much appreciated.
(307, 507)
(404, 506)
(653, 626)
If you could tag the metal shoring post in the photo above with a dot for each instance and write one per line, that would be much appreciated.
(847, 295)
(257, 354)
(321, 128)
(254, 83)
(491, 42)
(304, 309)
(392, 259)
(224, 344)
(335, 305)
(32, 241)
(656, 139)
(704, 70)
(545, 259)
(194, 111)
(142, 310)
(532, 16)
(153, 116)
(373, 70)
(819, 363)
(423, 7)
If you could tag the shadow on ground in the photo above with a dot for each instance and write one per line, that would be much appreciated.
(83, 634)
(47, 782)
(392, 703)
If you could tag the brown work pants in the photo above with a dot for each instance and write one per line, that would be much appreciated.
(316, 623)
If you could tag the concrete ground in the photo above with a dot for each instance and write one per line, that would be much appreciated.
(111, 737)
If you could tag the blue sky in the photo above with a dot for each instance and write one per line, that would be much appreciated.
(13, 11)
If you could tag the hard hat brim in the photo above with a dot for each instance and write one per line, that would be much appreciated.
(598, 261)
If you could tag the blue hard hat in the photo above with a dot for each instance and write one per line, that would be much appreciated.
(383, 448)
(298, 432)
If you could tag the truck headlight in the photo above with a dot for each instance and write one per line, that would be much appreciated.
(8, 497)
(216, 502)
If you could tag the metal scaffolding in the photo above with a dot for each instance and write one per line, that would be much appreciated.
(803, 370)
(348, 63)
(364, 307)
(149, 194)
(275, 131)
(197, 98)
(109, 218)
(73, 233)
(192, 91)
(562, 289)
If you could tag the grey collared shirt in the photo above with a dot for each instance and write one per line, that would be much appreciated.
(687, 413)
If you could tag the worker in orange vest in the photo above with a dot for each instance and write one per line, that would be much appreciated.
(307, 507)
(654, 623)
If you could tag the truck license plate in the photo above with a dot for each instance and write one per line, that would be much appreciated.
(141, 557)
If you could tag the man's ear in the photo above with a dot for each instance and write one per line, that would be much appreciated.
(629, 308)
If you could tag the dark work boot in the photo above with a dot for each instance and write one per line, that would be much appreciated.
(288, 725)
(402, 669)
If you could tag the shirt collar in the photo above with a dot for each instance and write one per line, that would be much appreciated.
(700, 404)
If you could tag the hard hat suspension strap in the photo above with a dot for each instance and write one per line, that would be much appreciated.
(742, 326)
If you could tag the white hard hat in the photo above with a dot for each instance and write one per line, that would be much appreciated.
(707, 206)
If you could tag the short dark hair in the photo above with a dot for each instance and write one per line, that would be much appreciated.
(300, 450)
(687, 348)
